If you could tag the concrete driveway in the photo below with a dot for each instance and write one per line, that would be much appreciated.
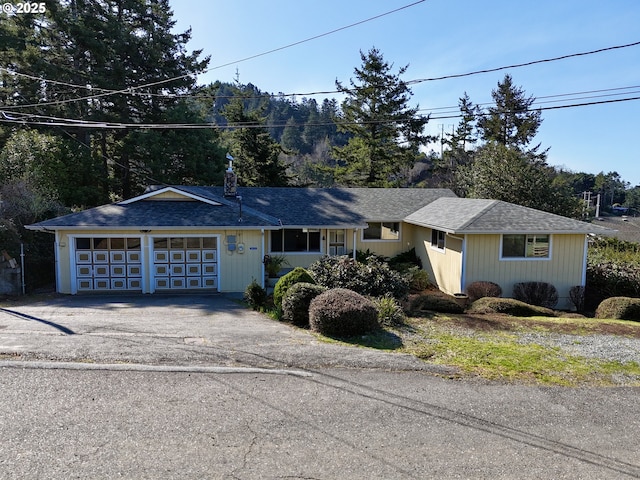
(194, 330)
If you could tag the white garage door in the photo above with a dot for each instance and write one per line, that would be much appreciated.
(185, 263)
(108, 263)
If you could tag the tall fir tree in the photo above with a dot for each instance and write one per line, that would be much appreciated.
(386, 133)
(511, 121)
(256, 153)
(106, 50)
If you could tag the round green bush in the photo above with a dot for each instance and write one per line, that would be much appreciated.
(295, 303)
(619, 308)
(342, 313)
(296, 275)
(373, 278)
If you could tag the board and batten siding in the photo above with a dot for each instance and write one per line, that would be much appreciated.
(444, 267)
(563, 270)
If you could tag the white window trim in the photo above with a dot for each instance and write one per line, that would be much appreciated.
(381, 240)
(435, 247)
(527, 259)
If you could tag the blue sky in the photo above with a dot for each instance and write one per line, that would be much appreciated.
(439, 38)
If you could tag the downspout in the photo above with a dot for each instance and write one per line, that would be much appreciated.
(56, 255)
(355, 231)
(584, 261)
(463, 272)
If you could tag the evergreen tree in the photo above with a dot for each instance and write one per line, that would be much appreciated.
(460, 143)
(502, 173)
(386, 132)
(511, 122)
(104, 49)
(257, 155)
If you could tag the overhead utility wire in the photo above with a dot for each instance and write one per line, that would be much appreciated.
(451, 110)
(196, 126)
(130, 90)
(456, 107)
(443, 110)
(409, 82)
(526, 64)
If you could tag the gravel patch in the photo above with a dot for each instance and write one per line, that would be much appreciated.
(604, 347)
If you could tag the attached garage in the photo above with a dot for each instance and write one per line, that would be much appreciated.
(105, 263)
(108, 263)
(185, 263)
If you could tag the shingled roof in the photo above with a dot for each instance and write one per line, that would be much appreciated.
(256, 207)
(274, 208)
(318, 207)
(468, 215)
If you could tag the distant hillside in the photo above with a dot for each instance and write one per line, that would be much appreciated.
(298, 126)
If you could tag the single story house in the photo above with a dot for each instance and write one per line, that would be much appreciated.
(197, 238)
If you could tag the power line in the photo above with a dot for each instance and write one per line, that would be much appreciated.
(525, 64)
(131, 90)
(72, 123)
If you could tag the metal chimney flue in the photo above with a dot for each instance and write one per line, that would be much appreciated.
(230, 180)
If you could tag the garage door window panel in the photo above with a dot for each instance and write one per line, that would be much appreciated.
(105, 263)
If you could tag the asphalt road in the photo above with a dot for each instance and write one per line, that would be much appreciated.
(160, 396)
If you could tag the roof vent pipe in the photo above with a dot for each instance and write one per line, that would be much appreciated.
(230, 180)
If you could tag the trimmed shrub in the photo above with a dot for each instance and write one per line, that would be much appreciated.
(418, 279)
(509, 306)
(542, 294)
(476, 290)
(390, 312)
(619, 308)
(435, 303)
(295, 303)
(296, 275)
(255, 295)
(342, 313)
(374, 278)
(404, 260)
(577, 295)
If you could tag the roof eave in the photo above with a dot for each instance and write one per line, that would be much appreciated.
(149, 228)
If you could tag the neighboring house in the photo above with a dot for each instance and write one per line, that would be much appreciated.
(195, 238)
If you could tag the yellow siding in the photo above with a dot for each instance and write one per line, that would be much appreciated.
(238, 269)
(563, 270)
(444, 267)
(169, 195)
(386, 248)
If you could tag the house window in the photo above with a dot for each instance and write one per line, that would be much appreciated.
(437, 239)
(337, 242)
(525, 246)
(382, 231)
(295, 240)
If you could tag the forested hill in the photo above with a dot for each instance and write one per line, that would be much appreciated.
(297, 125)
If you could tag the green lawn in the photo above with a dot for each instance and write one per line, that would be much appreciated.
(488, 347)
